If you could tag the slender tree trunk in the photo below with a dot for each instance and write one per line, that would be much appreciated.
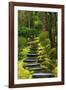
(50, 29)
(44, 22)
(29, 16)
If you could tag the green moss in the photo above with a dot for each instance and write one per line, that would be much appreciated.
(53, 53)
(22, 42)
(55, 71)
(23, 73)
(23, 53)
(43, 35)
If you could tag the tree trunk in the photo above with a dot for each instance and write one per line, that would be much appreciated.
(44, 22)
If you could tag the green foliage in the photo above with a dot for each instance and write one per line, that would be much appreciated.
(56, 39)
(55, 70)
(23, 31)
(51, 26)
(53, 53)
(46, 41)
(43, 35)
(47, 45)
(23, 53)
(19, 55)
(46, 61)
(23, 73)
(22, 42)
(46, 64)
(26, 32)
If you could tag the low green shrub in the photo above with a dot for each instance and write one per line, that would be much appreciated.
(55, 71)
(22, 42)
(53, 53)
(46, 41)
(43, 36)
(23, 73)
(46, 61)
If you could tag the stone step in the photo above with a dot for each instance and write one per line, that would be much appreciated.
(30, 60)
(33, 60)
(33, 42)
(36, 48)
(32, 65)
(32, 54)
(32, 51)
(32, 57)
(36, 69)
(42, 75)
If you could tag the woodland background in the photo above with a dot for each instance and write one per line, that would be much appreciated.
(42, 28)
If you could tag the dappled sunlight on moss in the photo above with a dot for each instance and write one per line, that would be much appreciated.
(55, 70)
(52, 53)
(23, 73)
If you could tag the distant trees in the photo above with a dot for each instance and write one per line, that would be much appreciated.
(51, 25)
(31, 23)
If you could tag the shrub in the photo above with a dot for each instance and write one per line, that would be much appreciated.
(24, 31)
(55, 71)
(19, 55)
(22, 42)
(53, 53)
(47, 44)
(23, 73)
(46, 41)
(23, 53)
(46, 61)
(43, 35)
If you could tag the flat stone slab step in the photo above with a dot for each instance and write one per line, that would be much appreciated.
(32, 54)
(32, 51)
(36, 69)
(42, 75)
(33, 42)
(36, 48)
(33, 60)
(32, 57)
(30, 60)
(32, 65)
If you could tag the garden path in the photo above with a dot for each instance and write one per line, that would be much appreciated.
(33, 62)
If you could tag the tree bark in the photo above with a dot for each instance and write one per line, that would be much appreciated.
(44, 22)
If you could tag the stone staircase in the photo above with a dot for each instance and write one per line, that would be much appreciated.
(33, 63)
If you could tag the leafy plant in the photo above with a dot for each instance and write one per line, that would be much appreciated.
(23, 73)
(55, 71)
(53, 53)
(22, 42)
(43, 35)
